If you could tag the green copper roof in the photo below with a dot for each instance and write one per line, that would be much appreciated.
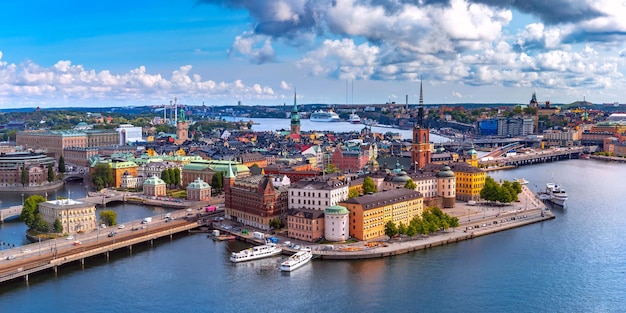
(336, 210)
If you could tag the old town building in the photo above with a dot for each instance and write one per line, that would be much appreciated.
(75, 216)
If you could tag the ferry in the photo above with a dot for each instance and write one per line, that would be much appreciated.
(354, 118)
(521, 181)
(297, 260)
(554, 193)
(324, 116)
(256, 252)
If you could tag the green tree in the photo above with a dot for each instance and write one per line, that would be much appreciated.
(176, 176)
(108, 217)
(50, 174)
(410, 184)
(57, 227)
(217, 181)
(40, 224)
(402, 229)
(391, 229)
(368, 185)
(61, 167)
(275, 223)
(31, 209)
(102, 176)
(24, 178)
(332, 168)
(353, 193)
(165, 176)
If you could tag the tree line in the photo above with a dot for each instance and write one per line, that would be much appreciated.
(431, 220)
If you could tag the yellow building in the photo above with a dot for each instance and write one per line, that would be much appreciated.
(470, 181)
(370, 213)
(74, 216)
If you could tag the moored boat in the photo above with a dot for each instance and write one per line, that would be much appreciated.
(297, 260)
(256, 252)
(354, 118)
(521, 181)
(554, 193)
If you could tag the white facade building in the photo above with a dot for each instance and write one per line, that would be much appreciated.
(317, 193)
(129, 133)
(336, 223)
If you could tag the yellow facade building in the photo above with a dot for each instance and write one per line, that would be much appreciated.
(470, 181)
(370, 213)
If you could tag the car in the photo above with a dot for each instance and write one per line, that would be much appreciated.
(10, 257)
(111, 234)
(144, 226)
(122, 226)
(69, 238)
(76, 243)
(103, 226)
(26, 250)
(135, 228)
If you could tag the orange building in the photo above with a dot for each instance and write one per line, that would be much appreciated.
(370, 213)
(305, 224)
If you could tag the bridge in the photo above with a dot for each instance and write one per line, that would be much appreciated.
(532, 158)
(75, 175)
(49, 255)
(500, 151)
(10, 212)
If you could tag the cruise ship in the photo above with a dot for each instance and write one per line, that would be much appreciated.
(324, 116)
(555, 194)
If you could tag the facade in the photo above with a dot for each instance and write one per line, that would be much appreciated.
(512, 127)
(129, 134)
(55, 141)
(305, 225)
(198, 190)
(563, 138)
(75, 216)
(78, 155)
(317, 194)
(254, 200)
(121, 168)
(446, 186)
(129, 181)
(370, 213)
(36, 165)
(206, 168)
(350, 159)
(469, 181)
(155, 187)
(336, 223)
(102, 138)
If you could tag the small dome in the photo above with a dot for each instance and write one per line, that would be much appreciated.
(198, 184)
(336, 210)
(402, 177)
(445, 172)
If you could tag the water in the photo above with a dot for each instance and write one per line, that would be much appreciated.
(271, 124)
(574, 263)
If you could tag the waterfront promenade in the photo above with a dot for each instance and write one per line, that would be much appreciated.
(475, 221)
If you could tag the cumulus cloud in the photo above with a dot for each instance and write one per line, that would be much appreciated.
(65, 81)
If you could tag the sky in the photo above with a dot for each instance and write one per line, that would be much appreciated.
(73, 53)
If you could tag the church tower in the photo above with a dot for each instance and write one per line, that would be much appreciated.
(420, 155)
(295, 117)
(182, 129)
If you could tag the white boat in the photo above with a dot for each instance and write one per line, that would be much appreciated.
(521, 181)
(354, 118)
(555, 194)
(324, 116)
(297, 260)
(256, 252)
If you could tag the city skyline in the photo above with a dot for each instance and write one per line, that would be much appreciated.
(220, 52)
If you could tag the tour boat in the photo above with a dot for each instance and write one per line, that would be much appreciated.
(324, 116)
(354, 118)
(297, 260)
(554, 193)
(521, 181)
(256, 252)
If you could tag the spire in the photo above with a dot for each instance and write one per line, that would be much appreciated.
(295, 117)
(230, 173)
(420, 110)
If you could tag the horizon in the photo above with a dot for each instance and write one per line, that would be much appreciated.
(336, 52)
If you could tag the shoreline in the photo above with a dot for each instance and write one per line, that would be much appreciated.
(529, 210)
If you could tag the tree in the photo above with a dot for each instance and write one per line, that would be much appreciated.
(217, 181)
(61, 166)
(275, 223)
(368, 185)
(57, 227)
(353, 193)
(176, 177)
(332, 168)
(40, 225)
(102, 176)
(410, 184)
(50, 174)
(108, 217)
(31, 209)
(391, 229)
(165, 176)
(24, 178)
(402, 229)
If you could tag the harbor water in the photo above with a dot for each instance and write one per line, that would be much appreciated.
(574, 263)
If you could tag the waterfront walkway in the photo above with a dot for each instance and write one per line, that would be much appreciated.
(475, 221)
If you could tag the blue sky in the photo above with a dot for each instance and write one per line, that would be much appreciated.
(77, 53)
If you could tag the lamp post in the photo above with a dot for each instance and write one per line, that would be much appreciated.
(468, 216)
(22, 199)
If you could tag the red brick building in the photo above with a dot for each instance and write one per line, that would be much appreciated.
(351, 159)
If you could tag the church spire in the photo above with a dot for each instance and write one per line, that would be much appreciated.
(420, 110)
